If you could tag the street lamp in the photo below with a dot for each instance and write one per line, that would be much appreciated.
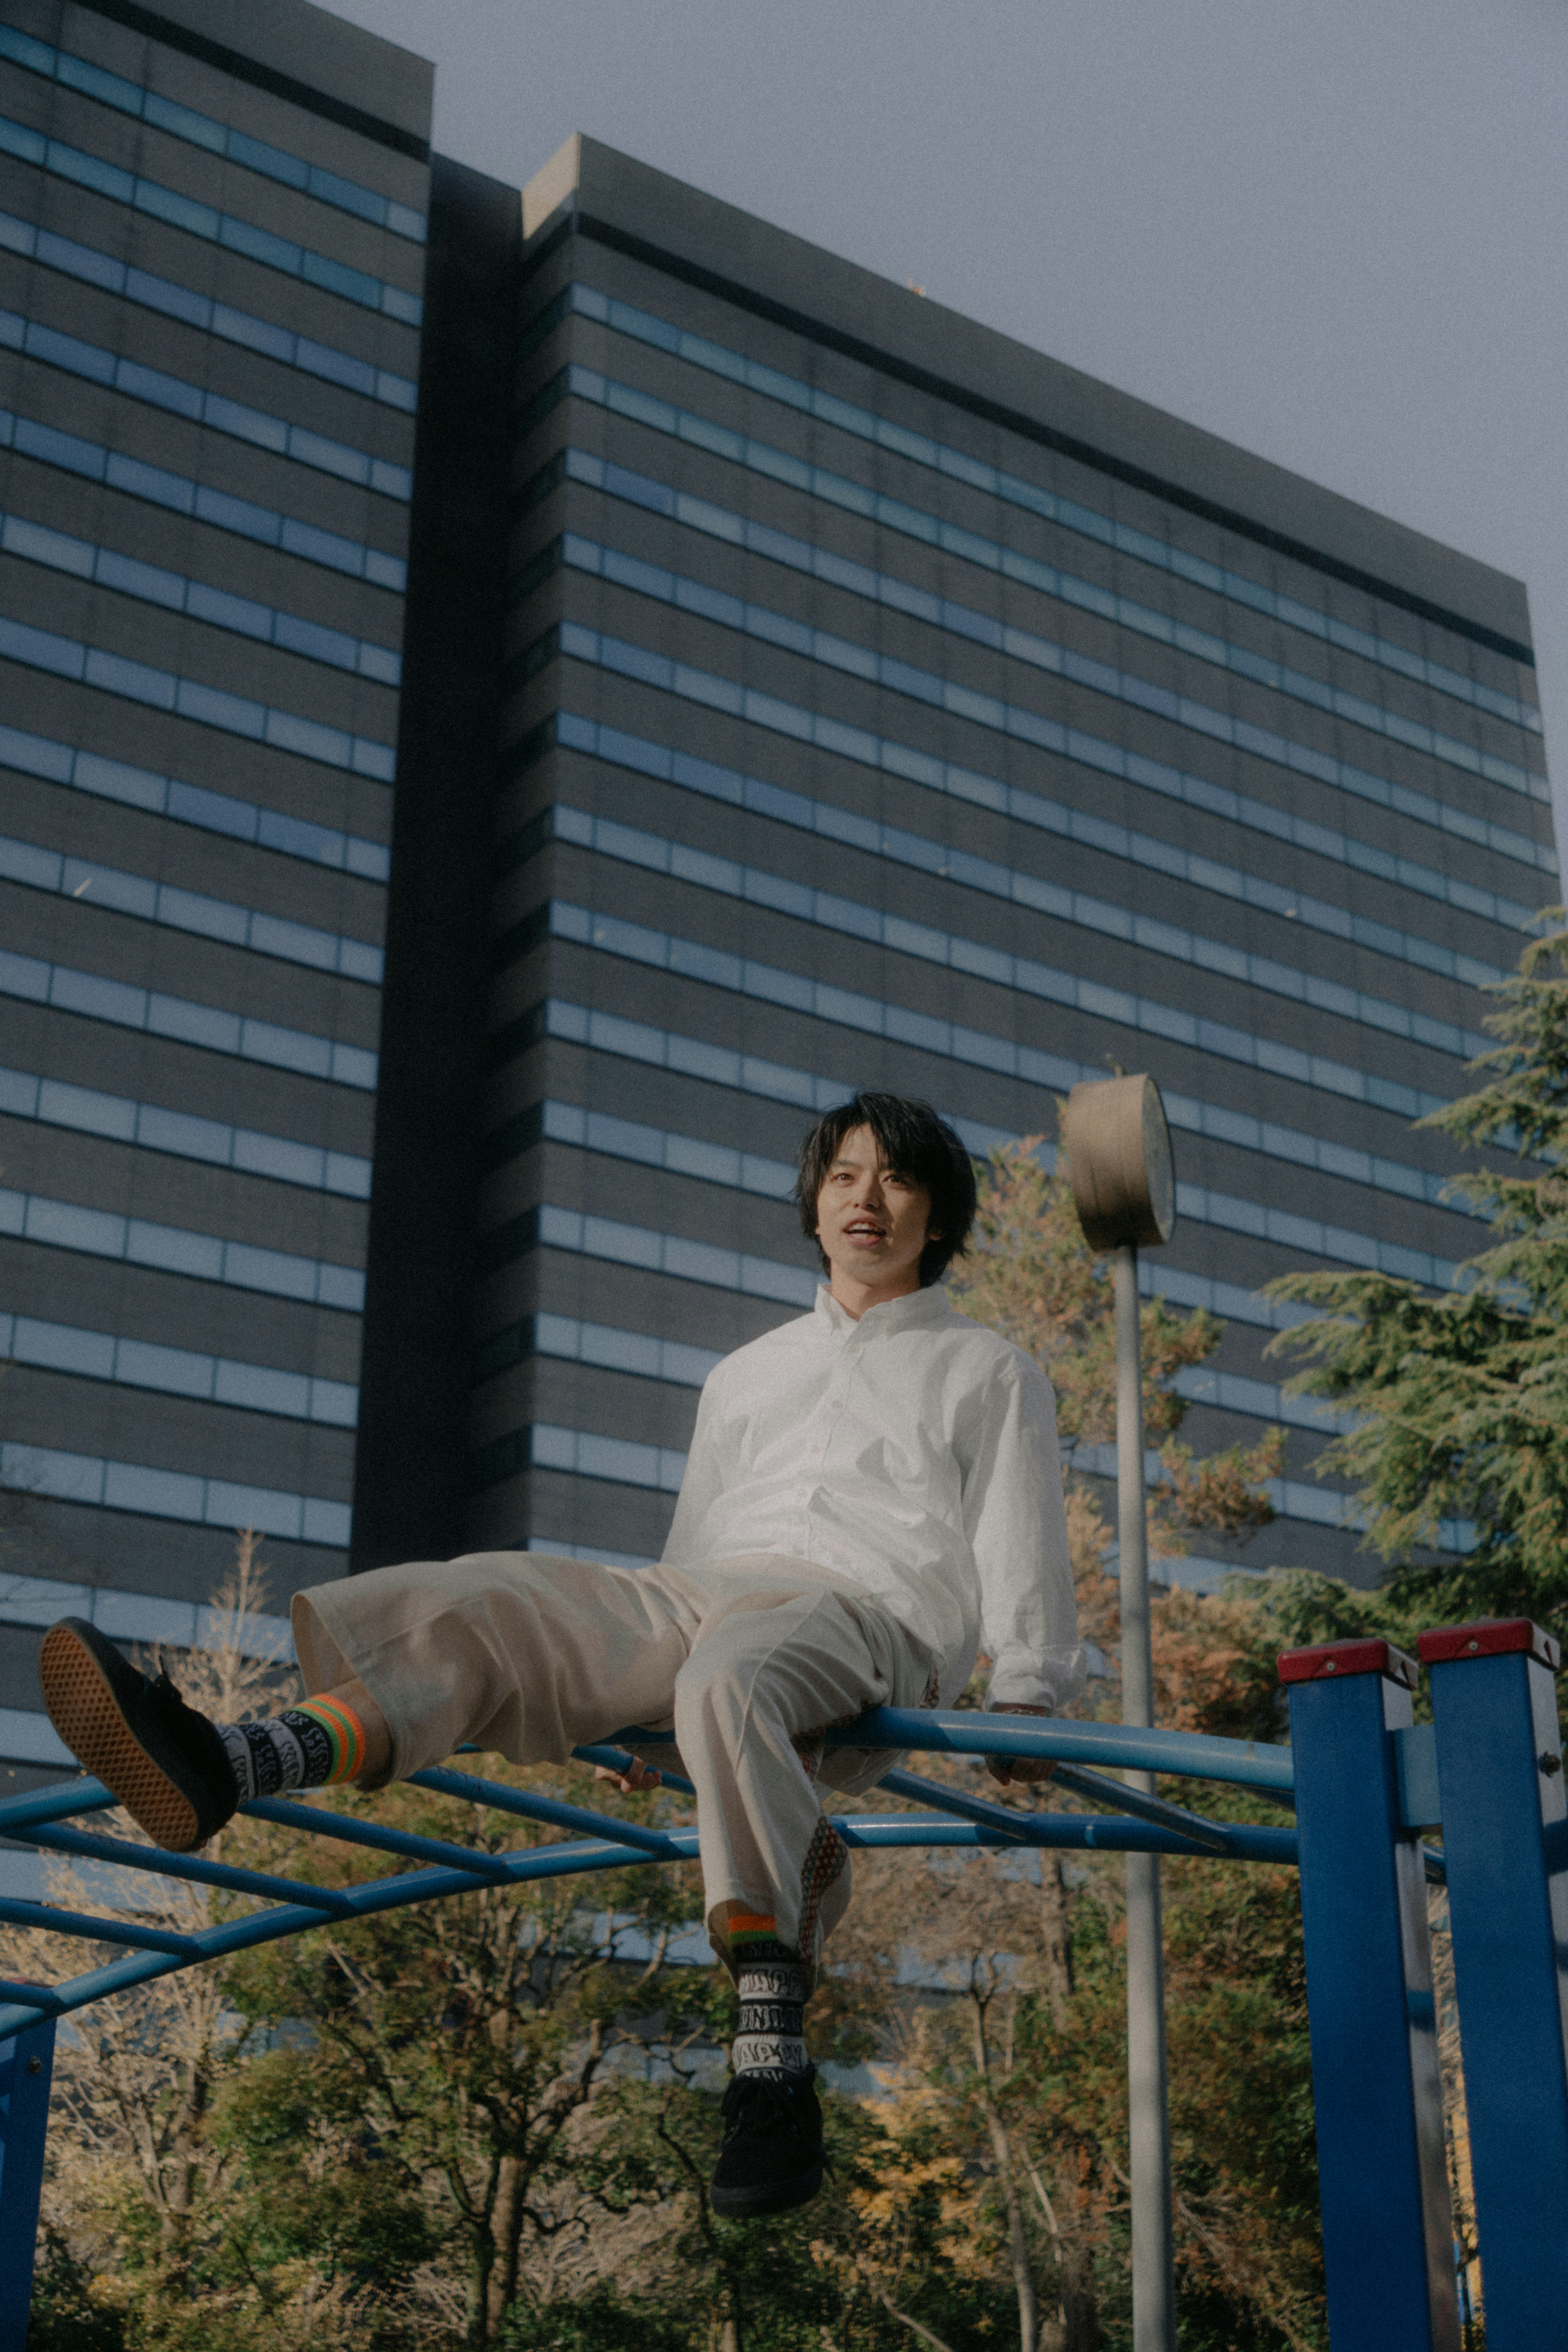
(1123, 1188)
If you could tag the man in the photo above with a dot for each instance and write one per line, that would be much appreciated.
(872, 1489)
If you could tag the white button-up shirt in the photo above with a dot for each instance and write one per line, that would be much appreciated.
(914, 1453)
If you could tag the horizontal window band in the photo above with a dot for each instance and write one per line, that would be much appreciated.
(750, 1074)
(145, 1617)
(884, 755)
(619, 748)
(204, 706)
(774, 1179)
(1050, 654)
(196, 600)
(618, 1461)
(655, 1147)
(846, 1008)
(150, 1127)
(176, 1372)
(329, 276)
(623, 1245)
(51, 1475)
(183, 1022)
(605, 1033)
(182, 804)
(958, 465)
(791, 1286)
(568, 1338)
(974, 1050)
(830, 821)
(996, 967)
(168, 1249)
(1323, 1506)
(163, 903)
(1013, 721)
(179, 494)
(172, 300)
(569, 1230)
(543, 1447)
(202, 131)
(645, 1357)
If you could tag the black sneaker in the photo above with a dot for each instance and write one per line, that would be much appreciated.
(772, 2154)
(164, 1762)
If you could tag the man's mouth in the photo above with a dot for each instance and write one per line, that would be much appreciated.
(863, 1230)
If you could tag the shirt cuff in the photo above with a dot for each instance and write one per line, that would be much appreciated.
(1024, 1678)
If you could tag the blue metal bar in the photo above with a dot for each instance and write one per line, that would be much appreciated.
(1251, 1842)
(532, 1808)
(1387, 2229)
(19, 1814)
(187, 1866)
(26, 2066)
(1215, 1836)
(949, 1800)
(17, 1913)
(1505, 1833)
(1081, 1832)
(38, 1996)
(1187, 1754)
(351, 1831)
(1203, 1833)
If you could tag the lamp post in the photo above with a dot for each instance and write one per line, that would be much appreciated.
(1124, 1187)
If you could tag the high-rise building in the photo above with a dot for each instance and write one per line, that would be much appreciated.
(211, 252)
(802, 688)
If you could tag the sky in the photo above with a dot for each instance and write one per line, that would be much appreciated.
(1331, 233)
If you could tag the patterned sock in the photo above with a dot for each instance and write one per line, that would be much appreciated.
(306, 1747)
(773, 1983)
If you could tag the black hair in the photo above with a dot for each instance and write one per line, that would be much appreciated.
(915, 1144)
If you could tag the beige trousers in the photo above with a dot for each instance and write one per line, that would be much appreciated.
(750, 1660)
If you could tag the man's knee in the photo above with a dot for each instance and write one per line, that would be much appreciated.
(712, 1695)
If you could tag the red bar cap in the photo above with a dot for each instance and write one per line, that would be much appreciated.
(1323, 1660)
(1490, 1637)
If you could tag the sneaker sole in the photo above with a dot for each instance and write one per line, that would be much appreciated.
(86, 1715)
(752, 2204)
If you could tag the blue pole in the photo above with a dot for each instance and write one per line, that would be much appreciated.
(1387, 2234)
(26, 2065)
(1505, 1833)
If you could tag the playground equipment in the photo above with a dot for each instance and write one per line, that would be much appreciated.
(1365, 1782)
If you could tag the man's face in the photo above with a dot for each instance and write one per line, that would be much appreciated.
(872, 1223)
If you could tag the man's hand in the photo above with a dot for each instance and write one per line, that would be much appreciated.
(633, 1782)
(1020, 1769)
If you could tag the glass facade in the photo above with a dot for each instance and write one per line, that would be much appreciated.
(440, 886)
(210, 348)
(856, 731)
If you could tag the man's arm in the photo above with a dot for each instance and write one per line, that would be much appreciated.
(707, 1472)
(1017, 1521)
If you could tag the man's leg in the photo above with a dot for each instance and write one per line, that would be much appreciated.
(515, 1651)
(766, 1674)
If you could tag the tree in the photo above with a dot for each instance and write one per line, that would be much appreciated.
(462, 2044)
(1032, 1275)
(1458, 1402)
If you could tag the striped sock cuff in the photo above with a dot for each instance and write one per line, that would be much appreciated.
(343, 1732)
(746, 1929)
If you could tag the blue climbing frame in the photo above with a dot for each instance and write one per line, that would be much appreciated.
(1364, 1783)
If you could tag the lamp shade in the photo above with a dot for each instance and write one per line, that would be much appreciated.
(1119, 1156)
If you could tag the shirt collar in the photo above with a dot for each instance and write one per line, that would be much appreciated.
(919, 1310)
